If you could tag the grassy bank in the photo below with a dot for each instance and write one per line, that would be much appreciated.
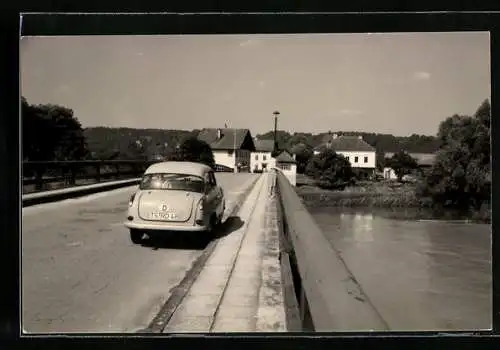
(369, 194)
(364, 194)
(362, 197)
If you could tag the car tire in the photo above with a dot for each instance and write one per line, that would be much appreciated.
(212, 232)
(136, 236)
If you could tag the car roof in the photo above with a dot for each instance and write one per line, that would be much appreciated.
(190, 168)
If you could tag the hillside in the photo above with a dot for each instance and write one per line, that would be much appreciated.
(120, 143)
(382, 142)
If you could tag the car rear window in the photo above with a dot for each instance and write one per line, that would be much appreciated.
(176, 182)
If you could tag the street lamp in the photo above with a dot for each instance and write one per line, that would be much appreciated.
(276, 114)
(234, 151)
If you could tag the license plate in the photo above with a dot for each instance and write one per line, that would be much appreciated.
(163, 216)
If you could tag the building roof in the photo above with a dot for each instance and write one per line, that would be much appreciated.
(190, 168)
(264, 145)
(346, 144)
(230, 138)
(421, 158)
(285, 157)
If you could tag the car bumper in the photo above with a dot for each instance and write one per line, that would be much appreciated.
(163, 226)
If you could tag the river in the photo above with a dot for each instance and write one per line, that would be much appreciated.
(419, 274)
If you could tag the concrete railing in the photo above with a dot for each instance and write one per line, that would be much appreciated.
(328, 296)
(73, 192)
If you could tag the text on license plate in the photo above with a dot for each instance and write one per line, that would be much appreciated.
(163, 215)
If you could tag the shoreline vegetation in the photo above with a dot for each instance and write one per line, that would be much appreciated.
(457, 183)
(383, 195)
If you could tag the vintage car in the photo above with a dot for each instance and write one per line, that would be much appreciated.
(175, 196)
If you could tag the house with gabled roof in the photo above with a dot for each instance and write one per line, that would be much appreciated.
(424, 163)
(261, 159)
(231, 147)
(360, 154)
(285, 161)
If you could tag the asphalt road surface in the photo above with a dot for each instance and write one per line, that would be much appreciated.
(81, 273)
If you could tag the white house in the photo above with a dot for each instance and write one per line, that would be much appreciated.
(424, 161)
(287, 164)
(261, 159)
(359, 153)
(231, 147)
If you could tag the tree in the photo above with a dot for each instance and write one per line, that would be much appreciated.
(461, 175)
(276, 151)
(330, 170)
(303, 154)
(402, 164)
(194, 150)
(380, 160)
(51, 132)
(136, 150)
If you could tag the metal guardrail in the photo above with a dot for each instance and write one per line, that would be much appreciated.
(329, 297)
(60, 174)
(44, 176)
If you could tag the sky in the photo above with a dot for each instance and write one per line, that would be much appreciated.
(401, 84)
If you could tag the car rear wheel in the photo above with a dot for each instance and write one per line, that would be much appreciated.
(211, 229)
(136, 236)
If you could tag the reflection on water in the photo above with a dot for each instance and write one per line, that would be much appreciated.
(420, 275)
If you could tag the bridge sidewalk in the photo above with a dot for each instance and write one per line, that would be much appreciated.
(239, 289)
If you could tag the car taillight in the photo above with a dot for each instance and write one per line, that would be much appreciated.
(200, 212)
(201, 204)
(131, 201)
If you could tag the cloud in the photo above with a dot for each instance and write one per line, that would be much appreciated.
(250, 43)
(421, 76)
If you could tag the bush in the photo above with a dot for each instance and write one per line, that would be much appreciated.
(330, 170)
(194, 150)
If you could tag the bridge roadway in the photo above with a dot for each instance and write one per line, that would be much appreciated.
(81, 273)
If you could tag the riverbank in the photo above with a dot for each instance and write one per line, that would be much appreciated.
(385, 195)
(366, 194)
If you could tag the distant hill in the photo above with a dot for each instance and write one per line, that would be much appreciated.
(120, 143)
(382, 142)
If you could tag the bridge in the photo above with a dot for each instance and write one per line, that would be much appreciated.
(269, 268)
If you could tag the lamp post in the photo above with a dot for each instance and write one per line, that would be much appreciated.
(234, 151)
(276, 114)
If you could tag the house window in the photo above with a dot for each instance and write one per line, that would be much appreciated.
(284, 166)
(264, 157)
(347, 158)
(256, 157)
(355, 159)
(366, 159)
(230, 152)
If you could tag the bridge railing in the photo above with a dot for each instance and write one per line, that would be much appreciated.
(329, 297)
(40, 176)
